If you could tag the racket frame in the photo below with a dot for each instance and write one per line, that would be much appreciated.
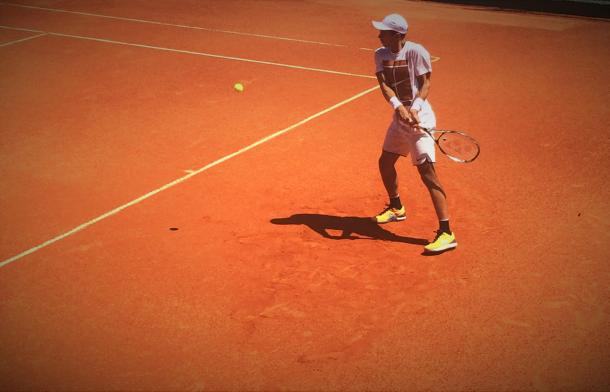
(440, 132)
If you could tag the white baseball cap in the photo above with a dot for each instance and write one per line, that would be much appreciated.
(393, 22)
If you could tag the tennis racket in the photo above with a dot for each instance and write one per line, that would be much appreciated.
(457, 145)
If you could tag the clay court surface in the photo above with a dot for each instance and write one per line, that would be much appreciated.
(161, 231)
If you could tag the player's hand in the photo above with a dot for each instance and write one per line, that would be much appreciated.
(415, 116)
(415, 124)
(404, 115)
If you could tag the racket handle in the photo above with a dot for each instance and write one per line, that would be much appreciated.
(427, 130)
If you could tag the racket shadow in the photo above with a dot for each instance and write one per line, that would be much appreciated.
(351, 227)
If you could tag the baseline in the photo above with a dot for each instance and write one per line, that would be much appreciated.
(173, 25)
(154, 22)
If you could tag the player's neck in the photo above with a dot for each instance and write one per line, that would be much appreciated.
(401, 44)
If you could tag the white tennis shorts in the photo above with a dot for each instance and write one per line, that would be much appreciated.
(403, 140)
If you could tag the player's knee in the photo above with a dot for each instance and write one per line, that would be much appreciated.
(428, 177)
(387, 160)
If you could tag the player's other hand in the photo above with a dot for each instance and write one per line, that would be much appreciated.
(416, 125)
(410, 118)
(414, 116)
(404, 115)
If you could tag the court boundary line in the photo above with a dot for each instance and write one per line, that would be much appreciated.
(183, 178)
(183, 51)
(177, 25)
(22, 40)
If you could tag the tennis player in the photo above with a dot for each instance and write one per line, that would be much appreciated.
(403, 69)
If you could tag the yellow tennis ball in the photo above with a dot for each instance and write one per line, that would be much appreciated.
(239, 87)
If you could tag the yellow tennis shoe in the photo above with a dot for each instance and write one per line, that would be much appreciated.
(443, 241)
(391, 215)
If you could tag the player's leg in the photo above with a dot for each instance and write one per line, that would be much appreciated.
(395, 145)
(445, 239)
(428, 176)
(387, 168)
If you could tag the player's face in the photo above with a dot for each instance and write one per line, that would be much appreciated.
(390, 39)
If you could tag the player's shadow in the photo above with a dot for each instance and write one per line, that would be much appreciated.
(351, 228)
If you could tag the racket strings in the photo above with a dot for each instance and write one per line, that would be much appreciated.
(459, 146)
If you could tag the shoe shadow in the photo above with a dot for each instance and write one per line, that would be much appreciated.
(431, 254)
(351, 227)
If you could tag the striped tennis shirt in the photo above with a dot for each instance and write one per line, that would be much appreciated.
(402, 69)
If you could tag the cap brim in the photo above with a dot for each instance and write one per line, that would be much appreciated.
(380, 26)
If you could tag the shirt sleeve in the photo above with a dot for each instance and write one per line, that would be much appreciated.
(423, 65)
(378, 60)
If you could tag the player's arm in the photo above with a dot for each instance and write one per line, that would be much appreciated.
(423, 81)
(390, 96)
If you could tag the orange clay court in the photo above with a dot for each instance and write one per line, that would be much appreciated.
(161, 231)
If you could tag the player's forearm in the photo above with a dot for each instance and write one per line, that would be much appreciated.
(424, 90)
(387, 92)
(422, 94)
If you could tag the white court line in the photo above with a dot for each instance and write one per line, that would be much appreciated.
(189, 27)
(191, 52)
(184, 178)
(434, 58)
(22, 29)
(22, 39)
(173, 25)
